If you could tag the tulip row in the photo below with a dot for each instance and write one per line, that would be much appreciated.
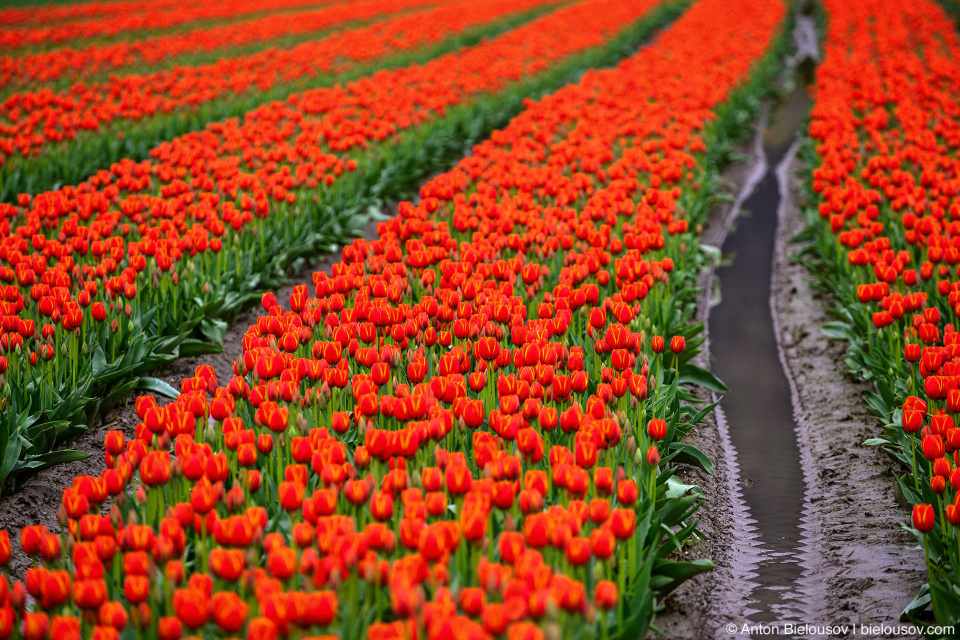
(884, 178)
(87, 126)
(71, 64)
(150, 16)
(105, 280)
(52, 13)
(472, 428)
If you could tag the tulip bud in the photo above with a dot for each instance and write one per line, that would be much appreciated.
(590, 614)
(302, 426)
(932, 446)
(552, 630)
(911, 352)
(938, 484)
(18, 596)
(653, 456)
(597, 571)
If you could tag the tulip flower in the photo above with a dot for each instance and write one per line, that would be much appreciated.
(923, 518)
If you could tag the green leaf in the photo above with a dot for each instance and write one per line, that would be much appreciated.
(193, 347)
(118, 392)
(675, 488)
(700, 415)
(213, 330)
(918, 604)
(839, 331)
(53, 458)
(692, 374)
(872, 442)
(11, 455)
(99, 361)
(680, 572)
(158, 386)
(678, 509)
(689, 454)
(712, 253)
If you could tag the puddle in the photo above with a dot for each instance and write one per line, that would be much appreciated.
(758, 408)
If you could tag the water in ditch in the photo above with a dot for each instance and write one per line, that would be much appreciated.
(758, 408)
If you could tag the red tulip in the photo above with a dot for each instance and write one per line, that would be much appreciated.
(657, 428)
(229, 611)
(923, 518)
(653, 456)
(291, 495)
(136, 588)
(933, 447)
(605, 594)
(5, 548)
(35, 626)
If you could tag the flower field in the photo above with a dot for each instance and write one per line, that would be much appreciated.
(494, 416)
(123, 306)
(883, 166)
